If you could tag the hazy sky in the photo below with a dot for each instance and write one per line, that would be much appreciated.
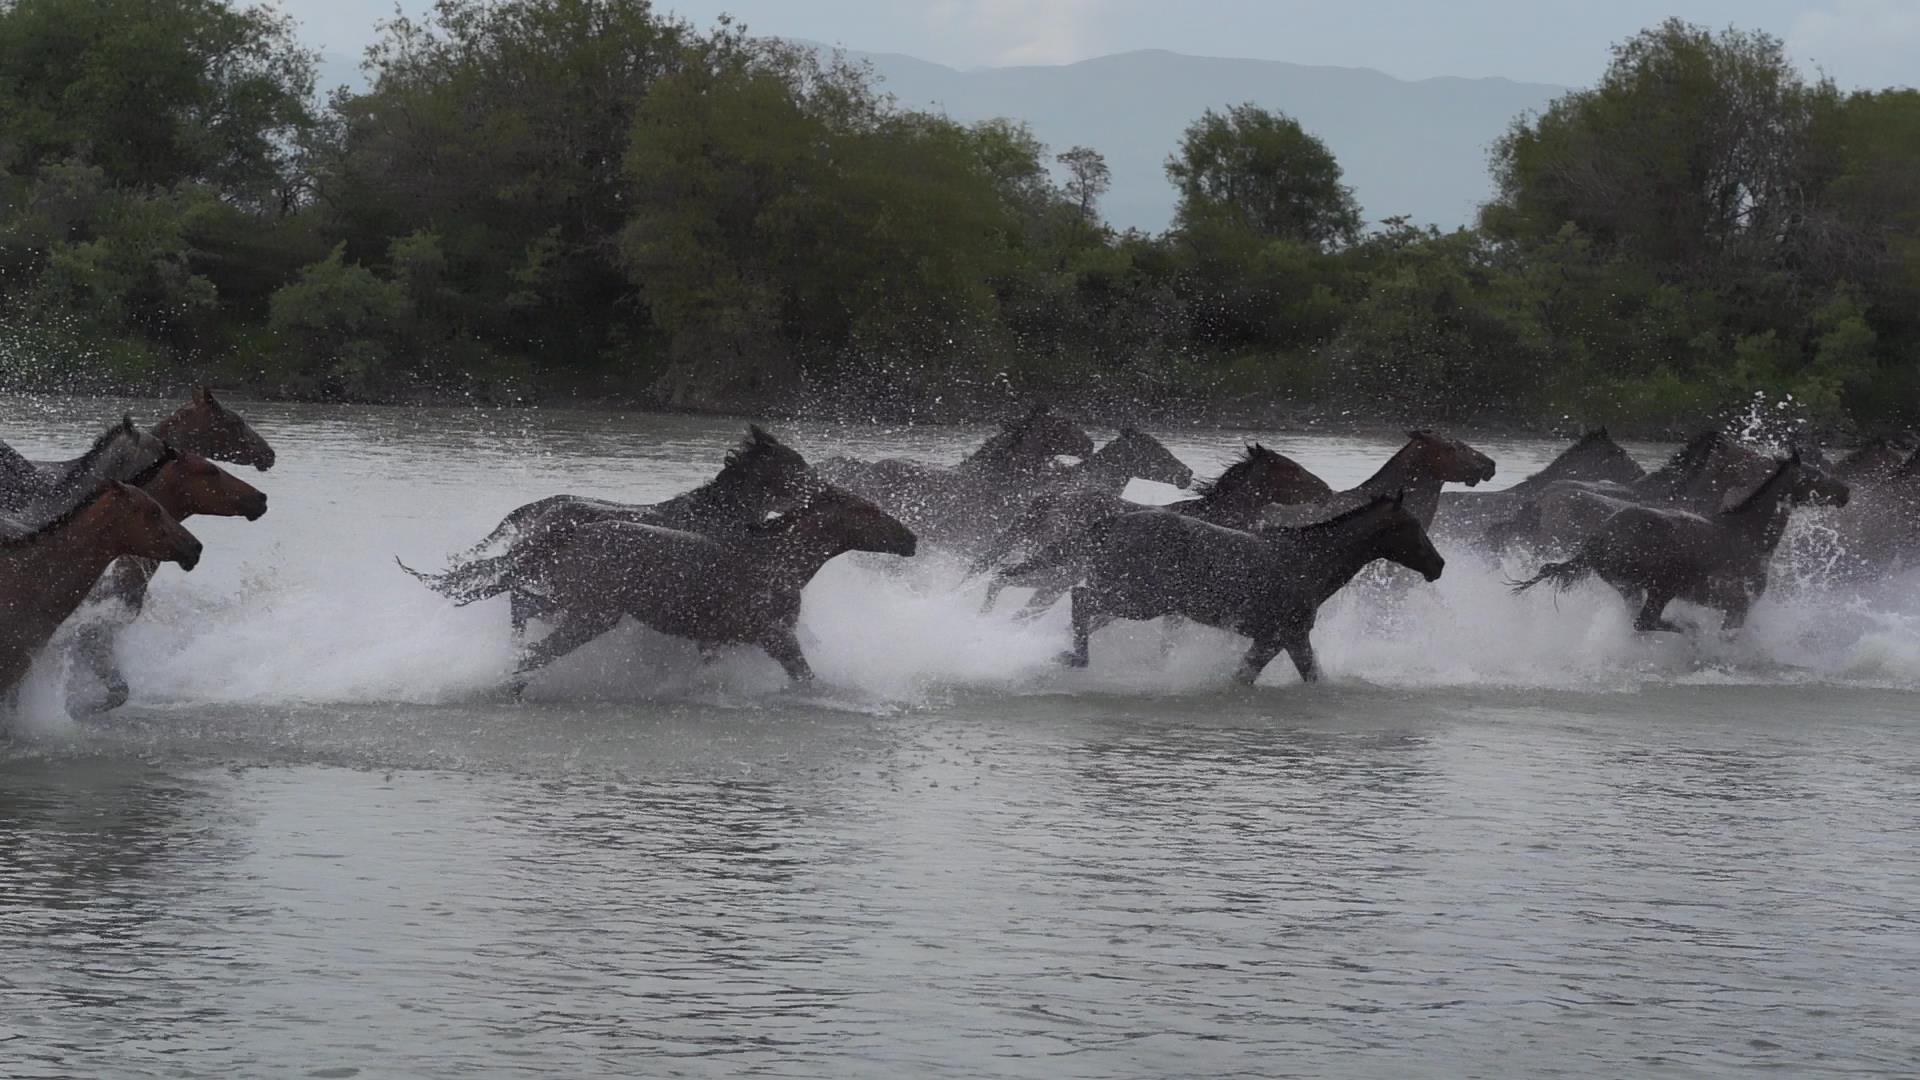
(1858, 42)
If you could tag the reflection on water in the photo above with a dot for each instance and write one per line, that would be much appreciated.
(1507, 838)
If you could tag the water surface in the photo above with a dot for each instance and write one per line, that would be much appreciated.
(1508, 836)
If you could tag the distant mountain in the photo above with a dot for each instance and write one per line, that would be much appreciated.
(1415, 148)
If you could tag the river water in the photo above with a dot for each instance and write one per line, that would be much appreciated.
(1506, 837)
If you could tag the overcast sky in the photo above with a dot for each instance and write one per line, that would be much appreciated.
(1858, 42)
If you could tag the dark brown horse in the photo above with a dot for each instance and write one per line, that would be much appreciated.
(184, 484)
(758, 477)
(1062, 530)
(1594, 457)
(964, 505)
(46, 573)
(1698, 477)
(736, 588)
(205, 427)
(1415, 473)
(1267, 586)
(1875, 461)
(1654, 556)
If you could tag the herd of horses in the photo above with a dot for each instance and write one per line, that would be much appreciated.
(1256, 550)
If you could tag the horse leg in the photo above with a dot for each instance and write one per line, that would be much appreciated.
(94, 650)
(1258, 657)
(785, 648)
(1042, 601)
(1089, 614)
(1301, 649)
(1649, 618)
(1170, 628)
(568, 636)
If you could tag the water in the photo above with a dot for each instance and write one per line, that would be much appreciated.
(1508, 836)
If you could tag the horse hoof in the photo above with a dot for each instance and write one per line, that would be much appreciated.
(1071, 659)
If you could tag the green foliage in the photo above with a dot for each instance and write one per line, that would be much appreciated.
(591, 198)
(1261, 172)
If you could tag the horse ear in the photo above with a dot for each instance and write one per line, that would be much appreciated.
(1399, 497)
(202, 396)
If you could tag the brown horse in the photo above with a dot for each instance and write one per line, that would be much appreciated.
(184, 484)
(1063, 530)
(964, 505)
(1415, 473)
(717, 590)
(45, 574)
(1653, 556)
(205, 427)
(1267, 586)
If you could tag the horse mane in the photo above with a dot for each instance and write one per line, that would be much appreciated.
(167, 455)
(58, 521)
(1336, 520)
(757, 449)
(125, 428)
(1780, 470)
(1689, 459)
(1235, 472)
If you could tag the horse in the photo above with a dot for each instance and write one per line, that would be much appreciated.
(1266, 585)
(205, 427)
(1653, 556)
(962, 505)
(1062, 530)
(733, 588)
(1875, 461)
(1130, 453)
(184, 484)
(46, 573)
(1697, 477)
(1415, 473)
(42, 491)
(759, 476)
(1594, 456)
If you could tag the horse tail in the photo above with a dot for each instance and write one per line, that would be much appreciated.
(1561, 574)
(509, 528)
(465, 583)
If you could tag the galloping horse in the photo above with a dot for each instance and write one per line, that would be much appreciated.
(1698, 477)
(964, 504)
(32, 492)
(1415, 473)
(1592, 457)
(1267, 585)
(1063, 531)
(1653, 556)
(736, 588)
(758, 477)
(184, 484)
(45, 573)
(1875, 461)
(205, 427)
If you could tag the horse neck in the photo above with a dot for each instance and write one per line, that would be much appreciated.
(1335, 553)
(1762, 518)
(167, 490)
(168, 430)
(795, 557)
(1102, 474)
(63, 565)
(1407, 473)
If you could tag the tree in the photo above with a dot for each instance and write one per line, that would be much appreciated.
(1088, 178)
(1690, 153)
(1261, 171)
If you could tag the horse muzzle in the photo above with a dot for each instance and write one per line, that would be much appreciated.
(256, 510)
(264, 459)
(1432, 571)
(187, 555)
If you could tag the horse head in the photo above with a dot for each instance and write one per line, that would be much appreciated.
(765, 466)
(1595, 456)
(140, 526)
(1814, 485)
(193, 485)
(837, 520)
(1263, 476)
(1449, 459)
(204, 426)
(1399, 537)
(1135, 453)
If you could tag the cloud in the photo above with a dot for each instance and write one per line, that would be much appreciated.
(1861, 43)
(1023, 31)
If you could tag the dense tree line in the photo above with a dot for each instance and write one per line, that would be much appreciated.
(585, 199)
